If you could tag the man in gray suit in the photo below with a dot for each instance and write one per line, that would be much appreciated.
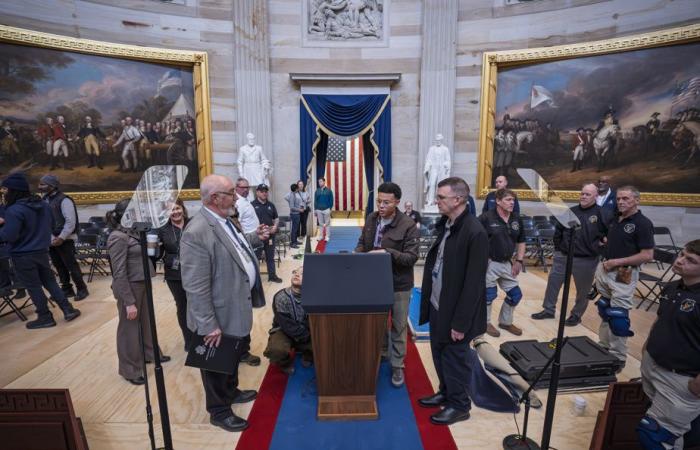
(222, 280)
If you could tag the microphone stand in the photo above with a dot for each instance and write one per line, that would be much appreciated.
(521, 441)
(556, 365)
(149, 411)
(142, 228)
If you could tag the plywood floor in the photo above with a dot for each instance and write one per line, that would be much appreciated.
(81, 356)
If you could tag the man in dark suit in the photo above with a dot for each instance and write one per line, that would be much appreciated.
(221, 277)
(453, 300)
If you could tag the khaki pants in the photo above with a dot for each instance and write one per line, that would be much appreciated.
(324, 221)
(397, 335)
(92, 147)
(279, 347)
(621, 296)
(672, 404)
(501, 274)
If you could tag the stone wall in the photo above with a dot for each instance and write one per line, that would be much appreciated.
(482, 25)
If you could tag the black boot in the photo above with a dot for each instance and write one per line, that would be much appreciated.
(53, 163)
(91, 161)
(573, 167)
(43, 321)
(65, 163)
(98, 162)
(70, 313)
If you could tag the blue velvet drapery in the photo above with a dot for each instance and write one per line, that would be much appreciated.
(346, 115)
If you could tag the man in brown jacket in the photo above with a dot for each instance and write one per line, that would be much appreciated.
(389, 230)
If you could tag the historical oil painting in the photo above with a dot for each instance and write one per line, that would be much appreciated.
(633, 115)
(96, 122)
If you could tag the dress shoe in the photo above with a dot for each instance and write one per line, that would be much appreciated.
(163, 358)
(245, 396)
(448, 416)
(492, 331)
(275, 279)
(138, 381)
(250, 359)
(41, 322)
(542, 315)
(435, 400)
(397, 378)
(511, 328)
(231, 423)
(70, 313)
(21, 293)
(69, 293)
(81, 295)
(572, 321)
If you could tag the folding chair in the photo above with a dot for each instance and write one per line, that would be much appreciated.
(664, 231)
(545, 245)
(7, 298)
(653, 283)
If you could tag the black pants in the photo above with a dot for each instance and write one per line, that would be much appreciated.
(304, 219)
(180, 297)
(34, 273)
(451, 362)
(219, 390)
(63, 259)
(269, 249)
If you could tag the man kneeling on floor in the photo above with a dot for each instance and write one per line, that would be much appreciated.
(290, 327)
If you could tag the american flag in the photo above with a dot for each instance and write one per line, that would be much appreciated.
(345, 173)
(687, 90)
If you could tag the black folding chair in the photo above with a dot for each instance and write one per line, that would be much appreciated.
(656, 283)
(660, 232)
(545, 245)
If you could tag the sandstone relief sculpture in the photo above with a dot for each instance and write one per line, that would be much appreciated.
(345, 20)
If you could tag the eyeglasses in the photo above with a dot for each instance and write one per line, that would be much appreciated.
(242, 187)
(226, 193)
(445, 197)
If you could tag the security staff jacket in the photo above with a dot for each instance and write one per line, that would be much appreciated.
(587, 240)
(674, 340)
(503, 236)
(629, 236)
(266, 212)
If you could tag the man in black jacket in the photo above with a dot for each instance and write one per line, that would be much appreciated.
(453, 300)
(391, 231)
(27, 228)
(587, 243)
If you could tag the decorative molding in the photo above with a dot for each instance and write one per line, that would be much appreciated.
(389, 78)
(494, 61)
(345, 23)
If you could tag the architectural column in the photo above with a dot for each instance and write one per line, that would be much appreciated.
(437, 81)
(251, 71)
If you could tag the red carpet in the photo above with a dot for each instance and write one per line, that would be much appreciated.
(263, 415)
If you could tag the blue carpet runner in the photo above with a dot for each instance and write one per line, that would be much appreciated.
(343, 239)
(298, 429)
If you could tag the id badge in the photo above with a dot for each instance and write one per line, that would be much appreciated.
(175, 264)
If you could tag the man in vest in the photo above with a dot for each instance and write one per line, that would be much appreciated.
(62, 250)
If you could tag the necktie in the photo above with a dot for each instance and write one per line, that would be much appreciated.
(242, 245)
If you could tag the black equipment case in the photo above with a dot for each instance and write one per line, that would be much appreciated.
(584, 363)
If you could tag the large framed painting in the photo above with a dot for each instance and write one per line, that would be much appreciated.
(98, 114)
(627, 108)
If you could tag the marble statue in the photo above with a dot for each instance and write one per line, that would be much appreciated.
(253, 165)
(344, 20)
(437, 168)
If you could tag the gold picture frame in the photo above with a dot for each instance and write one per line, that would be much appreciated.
(493, 62)
(196, 61)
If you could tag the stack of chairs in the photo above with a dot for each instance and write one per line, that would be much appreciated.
(91, 246)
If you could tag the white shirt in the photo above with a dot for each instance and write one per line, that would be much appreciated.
(600, 199)
(237, 241)
(246, 215)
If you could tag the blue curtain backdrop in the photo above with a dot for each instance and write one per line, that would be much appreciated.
(346, 115)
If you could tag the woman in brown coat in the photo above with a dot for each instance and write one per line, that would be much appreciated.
(129, 288)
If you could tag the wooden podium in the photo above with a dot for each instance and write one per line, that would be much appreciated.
(347, 297)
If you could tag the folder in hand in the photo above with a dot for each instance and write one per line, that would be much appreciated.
(222, 359)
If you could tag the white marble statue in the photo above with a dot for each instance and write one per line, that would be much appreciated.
(437, 167)
(342, 20)
(253, 165)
